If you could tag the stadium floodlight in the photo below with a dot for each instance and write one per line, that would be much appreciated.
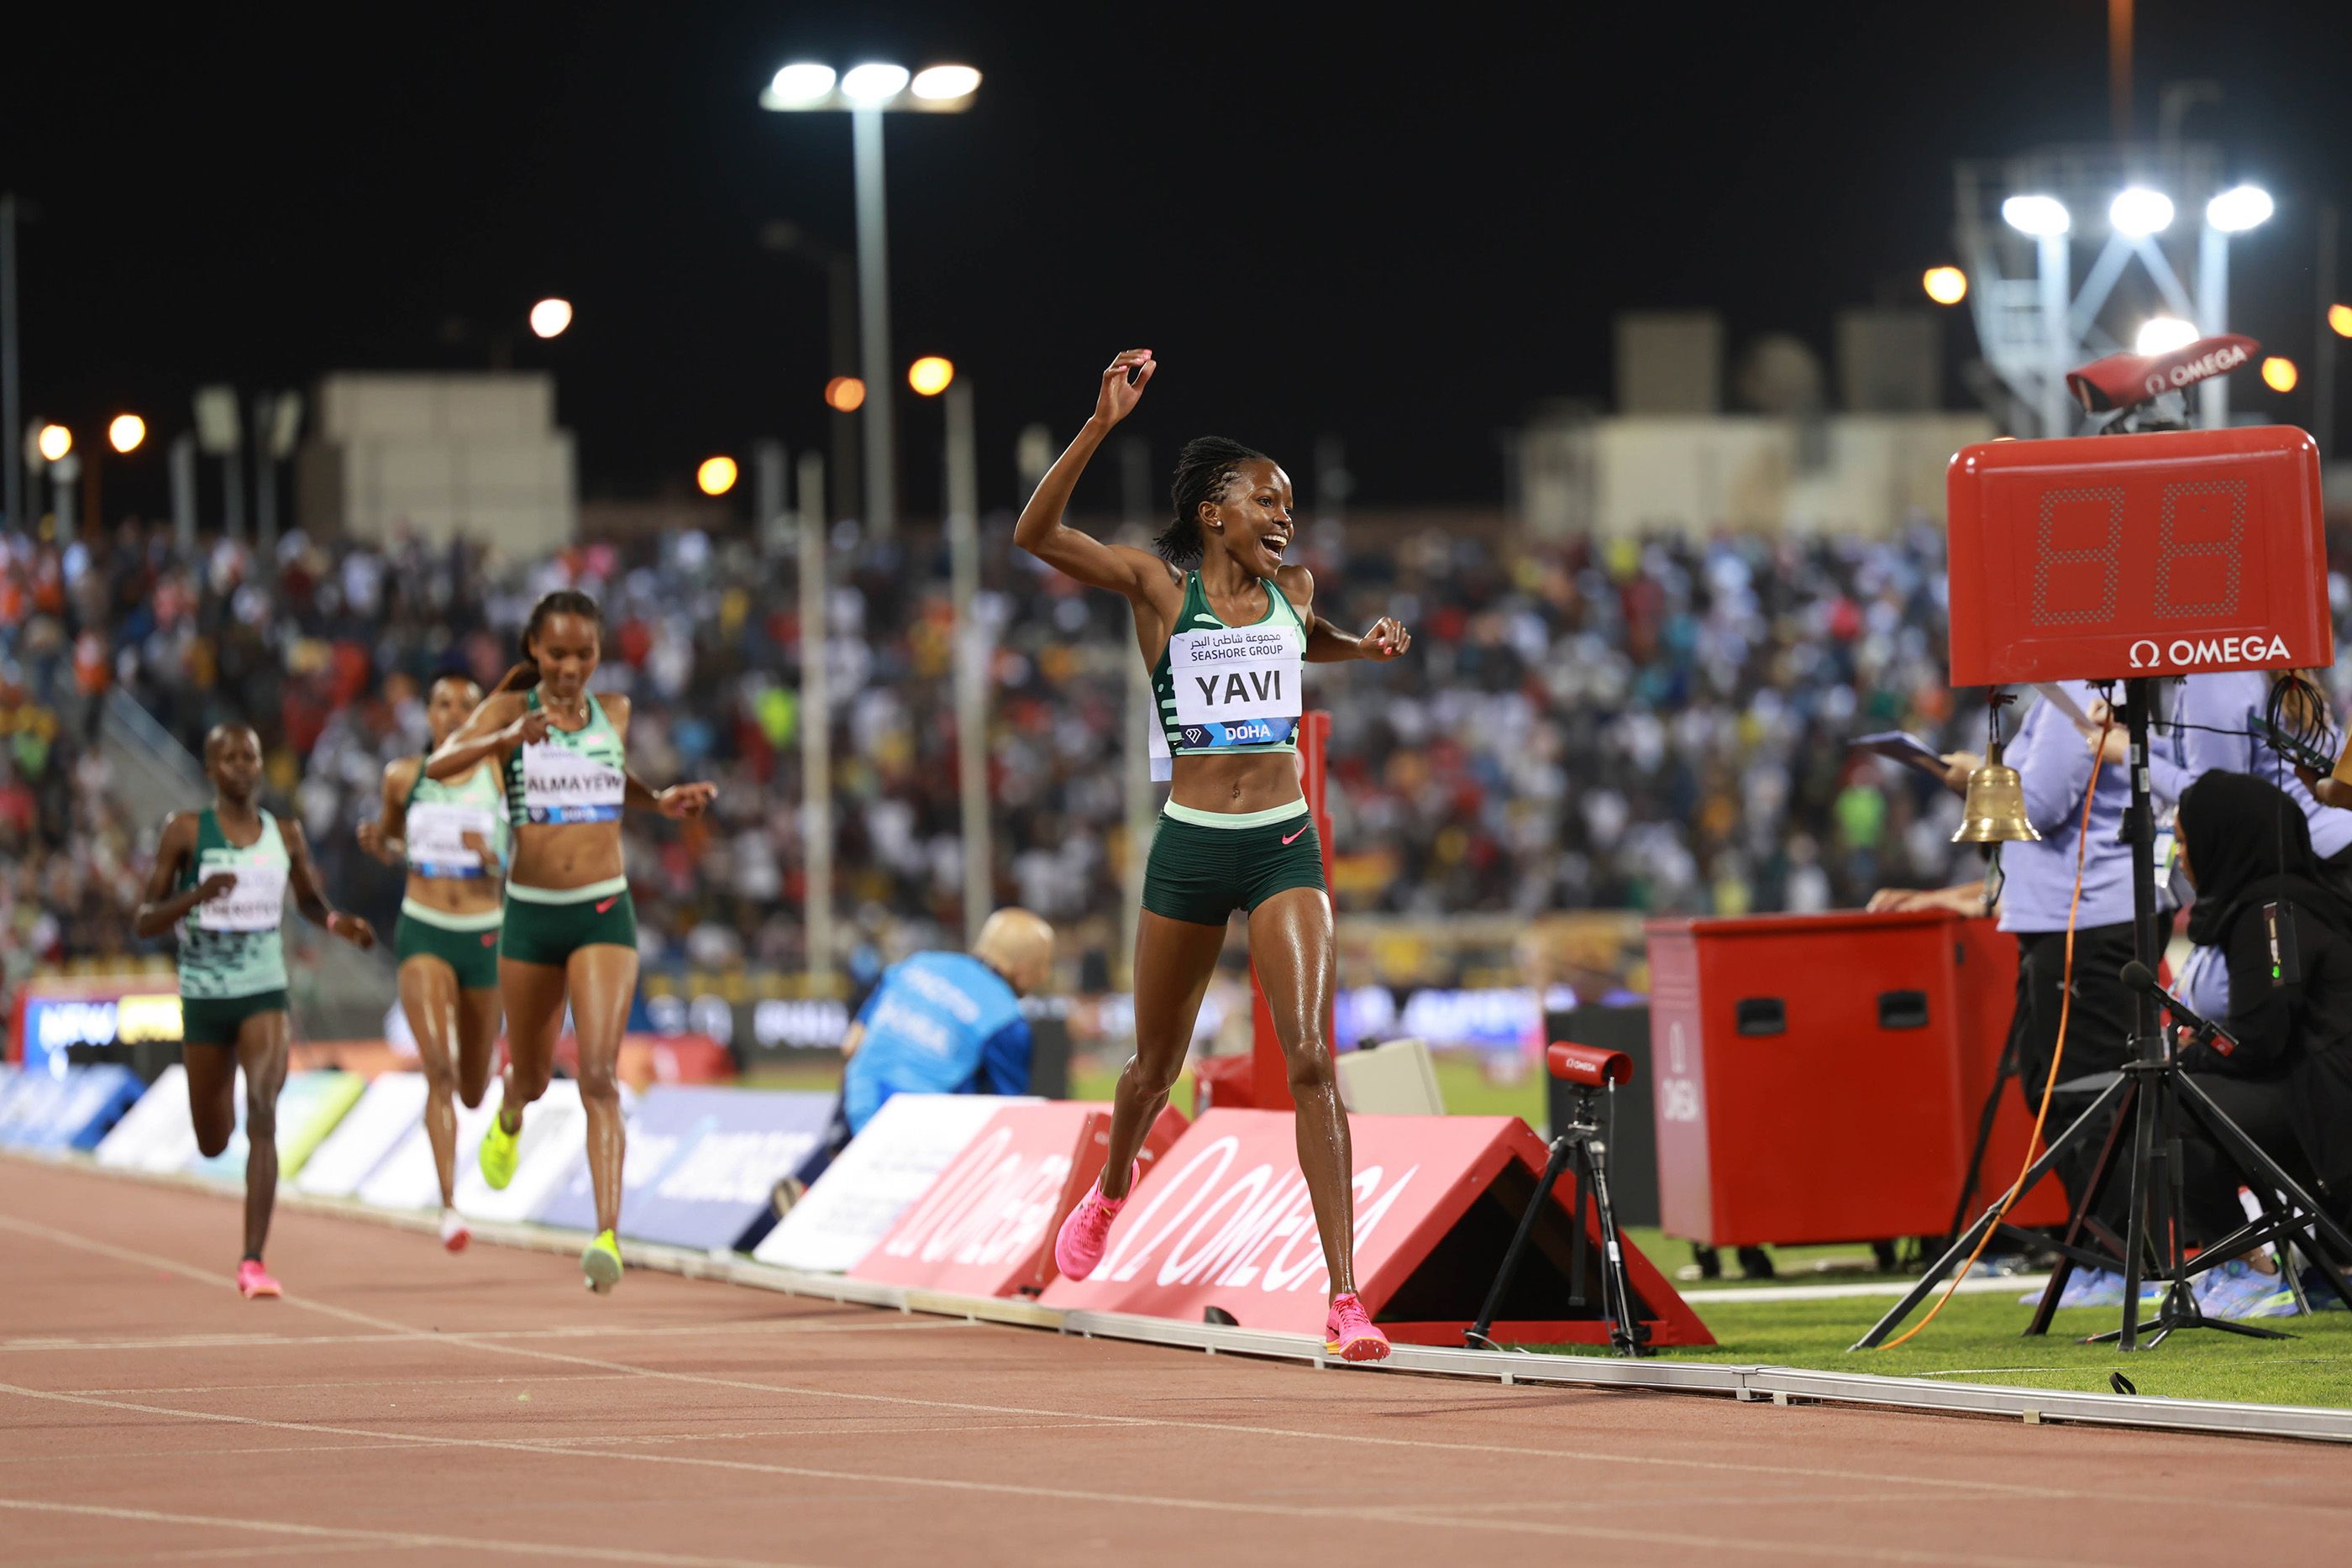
(2137, 212)
(2279, 374)
(2339, 321)
(803, 84)
(869, 90)
(2040, 216)
(930, 374)
(2239, 208)
(53, 441)
(550, 318)
(939, 84)
(2162, 334)
(872, 84)
(1945, 285)
(715, 477)
(126, 432)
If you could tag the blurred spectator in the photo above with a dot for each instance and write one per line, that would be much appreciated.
(1656, 724)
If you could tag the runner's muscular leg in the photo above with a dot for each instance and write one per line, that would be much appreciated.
(479, 1013)
(429, 995)
(533, 994)
(262, 1044)
(212, 1095)
(1173, 962)
(1291, 943)
(603, 978)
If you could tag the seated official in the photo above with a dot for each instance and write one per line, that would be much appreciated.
(2287, 1081)
(942, 1023)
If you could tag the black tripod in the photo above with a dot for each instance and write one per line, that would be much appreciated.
(2156, 1094)
(1585, 1144)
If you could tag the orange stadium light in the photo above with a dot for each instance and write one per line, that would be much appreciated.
(126, 432)
(930, 375)
(2279, 373)
(54, 442)
(2339, 319)
(1945, 285)
(845, 394)
(715, 477)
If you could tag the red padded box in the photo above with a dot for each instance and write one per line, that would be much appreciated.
(1817, 1078)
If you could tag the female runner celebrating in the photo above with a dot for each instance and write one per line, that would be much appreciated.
(453, 836)
(1225, 626)
(570, 930)
(222, 874)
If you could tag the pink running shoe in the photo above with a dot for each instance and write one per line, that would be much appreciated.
(1079, 1246)
(253, 1279)
(1349, 1333)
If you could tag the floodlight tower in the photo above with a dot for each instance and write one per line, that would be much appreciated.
(2017, 223)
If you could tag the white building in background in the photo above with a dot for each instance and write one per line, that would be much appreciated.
(435, 456)
(1671, 460)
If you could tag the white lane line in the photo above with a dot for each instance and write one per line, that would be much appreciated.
(664, 1331)
(305, 1549)
(400, 1538)
(1417, 1445)
(1338, 1513)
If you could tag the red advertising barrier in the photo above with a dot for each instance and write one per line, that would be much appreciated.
(1225, 1222)
(985, 1228)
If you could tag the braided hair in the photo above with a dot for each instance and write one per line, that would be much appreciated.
(1203, 469)
(562, 602)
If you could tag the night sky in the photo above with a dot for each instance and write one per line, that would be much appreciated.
(1400, 234)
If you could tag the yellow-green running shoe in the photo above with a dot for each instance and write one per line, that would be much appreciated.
(602, 1262)
(498, 1153)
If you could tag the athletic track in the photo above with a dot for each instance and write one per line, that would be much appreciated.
(401, 1405)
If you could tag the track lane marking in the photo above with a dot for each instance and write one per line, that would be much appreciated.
(1350, 1514)
(1934, 1484)
(417, 1540)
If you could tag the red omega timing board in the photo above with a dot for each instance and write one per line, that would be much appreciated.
(2096, 557)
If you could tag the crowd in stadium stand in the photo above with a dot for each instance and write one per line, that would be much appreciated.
(1653, 725)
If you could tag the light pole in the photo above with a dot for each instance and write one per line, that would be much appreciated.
(816, 733)
(933, 377)
(868, 91)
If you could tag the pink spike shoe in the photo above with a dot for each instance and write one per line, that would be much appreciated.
(253, 1279)
(1349, 1333)
(1079, 1246)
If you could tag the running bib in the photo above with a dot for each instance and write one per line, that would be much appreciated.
(1236, 686)
(436, 838)
(258, 901)
(559, 785)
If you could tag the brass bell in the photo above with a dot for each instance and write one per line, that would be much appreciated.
(1995, 811)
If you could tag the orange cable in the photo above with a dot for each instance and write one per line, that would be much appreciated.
(2058, 1052)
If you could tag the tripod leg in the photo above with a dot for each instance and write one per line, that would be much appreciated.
(1476, 1334)
(2321, 1233)
(2083, 1218)
(1627, 1334)
(1576, 1247)
(1966, 1242)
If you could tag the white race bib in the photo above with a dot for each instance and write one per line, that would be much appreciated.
(436, 838)
(1236, 686)
(559, 785)
(258, 901)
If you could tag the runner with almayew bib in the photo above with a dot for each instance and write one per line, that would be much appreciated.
(1226, 627)
(571, 931)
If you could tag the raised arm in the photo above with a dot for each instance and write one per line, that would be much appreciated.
(493, 729)
(386, 837)
(1138, 574)
(310, 890)
(161, 908)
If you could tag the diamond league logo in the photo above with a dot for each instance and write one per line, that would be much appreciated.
(2242, 648)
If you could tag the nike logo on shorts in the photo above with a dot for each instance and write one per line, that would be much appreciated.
(1302, 828)
(606, 906)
